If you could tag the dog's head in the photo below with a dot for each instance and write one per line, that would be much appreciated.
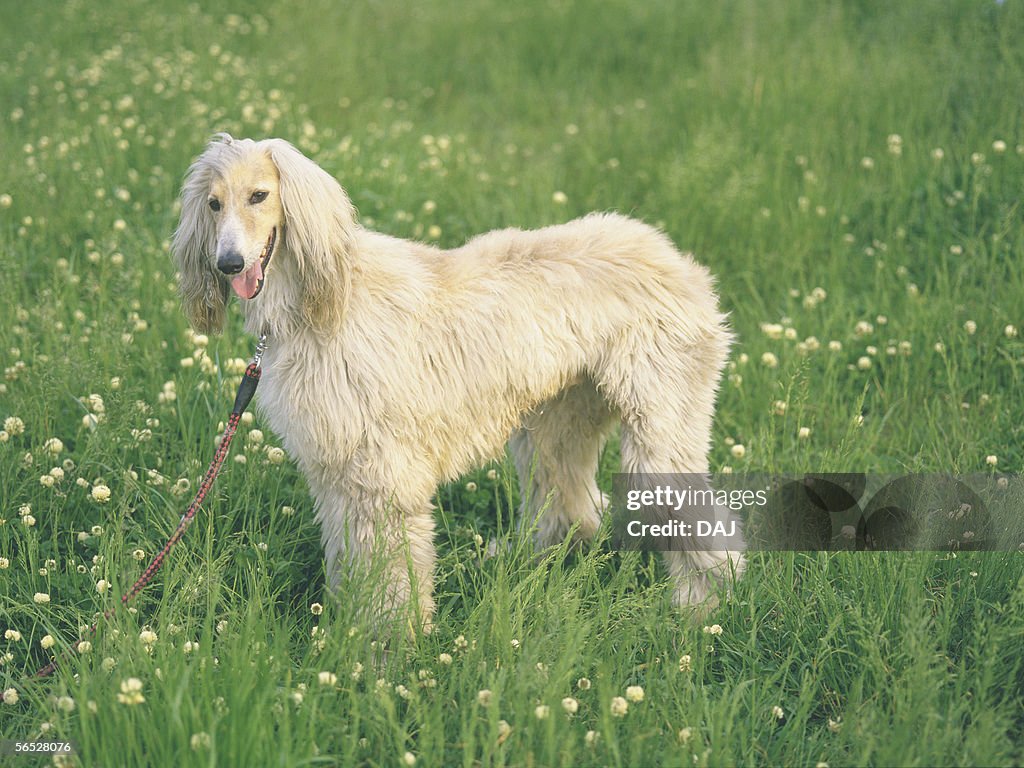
(249, 206)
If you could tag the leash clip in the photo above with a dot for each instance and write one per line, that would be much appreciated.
(261, 347)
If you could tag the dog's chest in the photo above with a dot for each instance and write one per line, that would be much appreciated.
(310, 405)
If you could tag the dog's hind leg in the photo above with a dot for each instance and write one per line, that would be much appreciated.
(664, 384)
(556, 453)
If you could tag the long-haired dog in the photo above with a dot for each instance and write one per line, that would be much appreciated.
(394, 366)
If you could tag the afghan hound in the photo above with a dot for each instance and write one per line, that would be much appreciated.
(394, 366)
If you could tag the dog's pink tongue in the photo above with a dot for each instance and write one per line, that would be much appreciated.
(247, 283)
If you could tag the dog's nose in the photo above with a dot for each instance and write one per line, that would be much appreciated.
(230, 263)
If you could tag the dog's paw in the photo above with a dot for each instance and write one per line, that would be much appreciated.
(699, 592)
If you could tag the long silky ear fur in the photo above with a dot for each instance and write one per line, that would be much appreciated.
(204, 293)
(318, 232)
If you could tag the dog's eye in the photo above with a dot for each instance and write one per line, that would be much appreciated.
(258, 196)
(214, 204)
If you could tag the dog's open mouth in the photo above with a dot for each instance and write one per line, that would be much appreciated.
(248, 284)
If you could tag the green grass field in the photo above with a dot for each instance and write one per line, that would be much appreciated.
(852, 173)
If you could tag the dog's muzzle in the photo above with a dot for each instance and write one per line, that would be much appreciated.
(248, 284)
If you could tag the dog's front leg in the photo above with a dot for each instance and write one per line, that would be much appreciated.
(382, 554)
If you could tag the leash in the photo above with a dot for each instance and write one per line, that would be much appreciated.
(245, 392)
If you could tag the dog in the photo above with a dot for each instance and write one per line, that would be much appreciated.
(394, 366)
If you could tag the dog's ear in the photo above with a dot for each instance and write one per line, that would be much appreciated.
(204, 293)
(319, 224)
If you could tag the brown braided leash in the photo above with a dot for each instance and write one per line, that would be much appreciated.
(245, 392)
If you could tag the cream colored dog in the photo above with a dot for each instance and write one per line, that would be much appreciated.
(393, 366)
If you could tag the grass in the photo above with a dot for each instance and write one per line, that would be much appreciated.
(869, 150)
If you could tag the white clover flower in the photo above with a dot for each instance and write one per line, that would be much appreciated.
(992, 460)
(570, 706)
(327, 678)
(199, 740)
(1010, 331)
(619, 707)
(13, 635)
(738, 451)
(65, 703)
(409, 759)
(541, 711)
(11, 696)
(635, 694)
(769, 360)
(41, 598)
(559, 198)
(14, 426)
(4, 563)
(100, 494)
(445, 659)
(864, 363)
(316, 609)
(583, 683)
(591, 738)
(685, 663)
(275, 455)
(803, 433)
(131, 692)
(971, 327)
(148, 637)
(53, 446)
(483, 697)
(85, 647)
(777, 712)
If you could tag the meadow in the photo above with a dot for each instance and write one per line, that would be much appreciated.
(851, 172)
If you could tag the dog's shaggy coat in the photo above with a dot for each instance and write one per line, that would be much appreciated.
(393, 366)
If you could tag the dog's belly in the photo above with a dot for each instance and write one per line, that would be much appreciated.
(380, 434)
